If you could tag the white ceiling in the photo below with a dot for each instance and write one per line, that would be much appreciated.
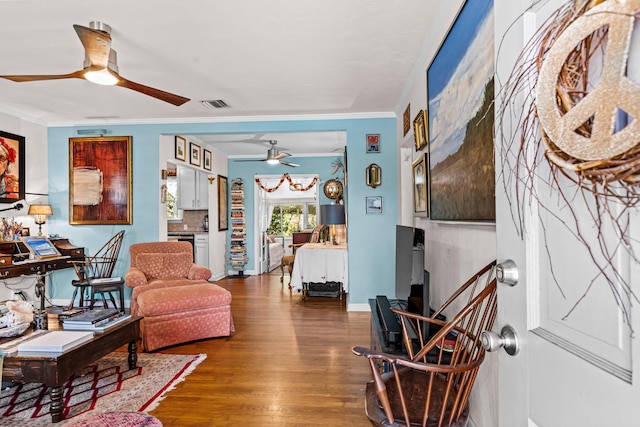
(263, 58)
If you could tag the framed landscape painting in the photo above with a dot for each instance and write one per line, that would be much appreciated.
(460, 94)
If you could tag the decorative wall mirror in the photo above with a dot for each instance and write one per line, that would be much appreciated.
(333, 189)
(373, 175)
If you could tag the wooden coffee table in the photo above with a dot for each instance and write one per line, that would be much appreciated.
(53, 370)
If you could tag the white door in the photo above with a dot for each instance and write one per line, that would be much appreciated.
(578, 362)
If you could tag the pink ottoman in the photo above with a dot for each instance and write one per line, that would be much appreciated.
(179, 314)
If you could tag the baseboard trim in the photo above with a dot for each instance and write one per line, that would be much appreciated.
(359, 307)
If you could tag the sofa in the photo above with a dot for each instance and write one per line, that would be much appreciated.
(174, 296)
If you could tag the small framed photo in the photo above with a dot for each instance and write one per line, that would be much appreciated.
(420, 129)
(420, 204)
(181, 148)
(24, 231)
(195, 154)
(406, 120)
(207, 159)
(373, 143)
(374, 204)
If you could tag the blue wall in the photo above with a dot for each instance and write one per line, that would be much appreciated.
(371, 237)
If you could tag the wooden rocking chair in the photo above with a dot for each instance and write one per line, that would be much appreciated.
(98, 266)
(431, 386)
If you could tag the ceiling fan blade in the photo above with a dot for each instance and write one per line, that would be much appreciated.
(293, 165)
(76, 74)
(281, 156)
(171, 98)
(97, 45)
(251, 160)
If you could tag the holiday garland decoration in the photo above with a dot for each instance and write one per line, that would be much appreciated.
(293, 186)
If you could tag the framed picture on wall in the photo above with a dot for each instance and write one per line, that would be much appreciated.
(207, 159)
(373, 143)
(420, 204)
(461, 128)
(223, 204)
(181, 148)
(195, 154)
(420, 130)
(100, 180)
(373, 204)
(12, 169)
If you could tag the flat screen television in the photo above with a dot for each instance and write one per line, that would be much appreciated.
(409, 260)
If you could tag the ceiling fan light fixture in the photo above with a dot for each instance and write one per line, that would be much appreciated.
(273, 161)
(101, 77)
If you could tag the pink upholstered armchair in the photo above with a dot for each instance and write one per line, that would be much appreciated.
(174, 296)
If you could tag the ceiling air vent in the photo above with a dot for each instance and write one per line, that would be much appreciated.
(215, 104)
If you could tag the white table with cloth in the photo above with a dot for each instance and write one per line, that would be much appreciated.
(320, 263)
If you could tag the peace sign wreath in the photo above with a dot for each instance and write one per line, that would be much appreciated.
(583, 114)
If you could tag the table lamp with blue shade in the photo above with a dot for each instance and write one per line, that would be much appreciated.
(332, 215)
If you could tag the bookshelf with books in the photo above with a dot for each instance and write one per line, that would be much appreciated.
(238, 256)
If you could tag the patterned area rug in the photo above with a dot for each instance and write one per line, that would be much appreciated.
(106, 386)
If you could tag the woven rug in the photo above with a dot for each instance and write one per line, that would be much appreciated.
(106, 386)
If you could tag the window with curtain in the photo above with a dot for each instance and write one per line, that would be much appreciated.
(288, 218)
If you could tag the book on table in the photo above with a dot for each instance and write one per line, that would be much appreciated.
(95, 316)
(55, 341)
(95, 327)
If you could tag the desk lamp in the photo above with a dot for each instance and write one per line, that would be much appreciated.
(41, 212)
(332, 215)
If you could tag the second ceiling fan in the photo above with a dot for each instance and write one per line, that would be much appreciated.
(274, 156)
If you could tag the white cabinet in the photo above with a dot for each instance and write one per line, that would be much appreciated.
(201, 249)
(193, 190)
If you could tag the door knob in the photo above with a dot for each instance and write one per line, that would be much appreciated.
(508, 339)
(507, 272)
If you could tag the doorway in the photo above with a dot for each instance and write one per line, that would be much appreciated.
(284, 205)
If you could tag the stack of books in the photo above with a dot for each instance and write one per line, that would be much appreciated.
(95, 320)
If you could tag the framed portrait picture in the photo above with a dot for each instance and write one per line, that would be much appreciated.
(373, 204)
(420, 204)
(207, 159)
(181, 148)
(195, 154)
(12, 169)
(223, 204)
(373, 143)
(420, 130)
(100, 180)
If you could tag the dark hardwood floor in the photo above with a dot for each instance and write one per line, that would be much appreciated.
(289, 363)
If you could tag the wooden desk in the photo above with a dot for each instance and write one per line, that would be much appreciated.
(320, 263)
(11, 254)
(53, 370)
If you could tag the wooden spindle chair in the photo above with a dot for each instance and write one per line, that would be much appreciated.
(98, 266)
(431, 385)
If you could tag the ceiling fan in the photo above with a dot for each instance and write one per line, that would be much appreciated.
(100, 65)
(274, 156)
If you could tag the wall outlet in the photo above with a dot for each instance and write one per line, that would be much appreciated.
(186, 227)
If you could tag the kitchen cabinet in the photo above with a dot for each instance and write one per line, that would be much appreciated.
(201, 247)
(193, 190)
